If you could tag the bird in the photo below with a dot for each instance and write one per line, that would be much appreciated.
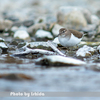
(69, 37)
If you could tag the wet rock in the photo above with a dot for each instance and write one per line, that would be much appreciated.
(43, 35)
(39, 45)
(21, 33)
(28, 23)
(95, 20)
(71, 17)
(85, 51)
(5, 24)
(56, 29)
(56, 60)
(15, 77)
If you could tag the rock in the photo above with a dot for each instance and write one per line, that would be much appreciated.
(32, 29)
(56, 29)
(21, 33)
(85, 51)
(98, 13)
(98, 49)
(15, 77)
(98, 29)
(28, 23)
(5, 24)
(89, 28)
(56, 60)
(95, 20)
(71, 17)
(39, 45)
(2, 44)
(42, 34)
(14, 42)
(14, 28)
(56, 40)
(94, 67)
(2, 40)
(20, 45)
(87, 14)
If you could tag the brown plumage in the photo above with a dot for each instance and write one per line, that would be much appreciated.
(69, 31)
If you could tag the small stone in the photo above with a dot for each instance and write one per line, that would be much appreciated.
(85, 51)
(20, 45)
(42, 34)
(56, 40)
(89, 28)
(2, 40)
(56, 60)
(3, 45)
(28, 23)
(5, 24)
(21, 33)
(56, 29)
(95, 20)
(98, 13)
(14, 28)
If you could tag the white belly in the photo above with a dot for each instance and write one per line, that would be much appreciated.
(69, 42)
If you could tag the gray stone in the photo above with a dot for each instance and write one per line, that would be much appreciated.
(71, 17)
(58, 60)
(85, 51)
(5, 24)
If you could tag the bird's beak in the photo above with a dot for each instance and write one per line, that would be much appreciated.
(58, 34)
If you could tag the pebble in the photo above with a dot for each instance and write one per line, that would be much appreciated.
(21, 33)
(85, 51)
(95, 20)
(2, 44)
(5, 24)
(56, 40)
(43, 34)
(14, 28)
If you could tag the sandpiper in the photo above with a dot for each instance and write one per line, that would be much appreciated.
(69, 37)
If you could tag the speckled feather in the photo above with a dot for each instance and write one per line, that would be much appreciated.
(69, 31)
